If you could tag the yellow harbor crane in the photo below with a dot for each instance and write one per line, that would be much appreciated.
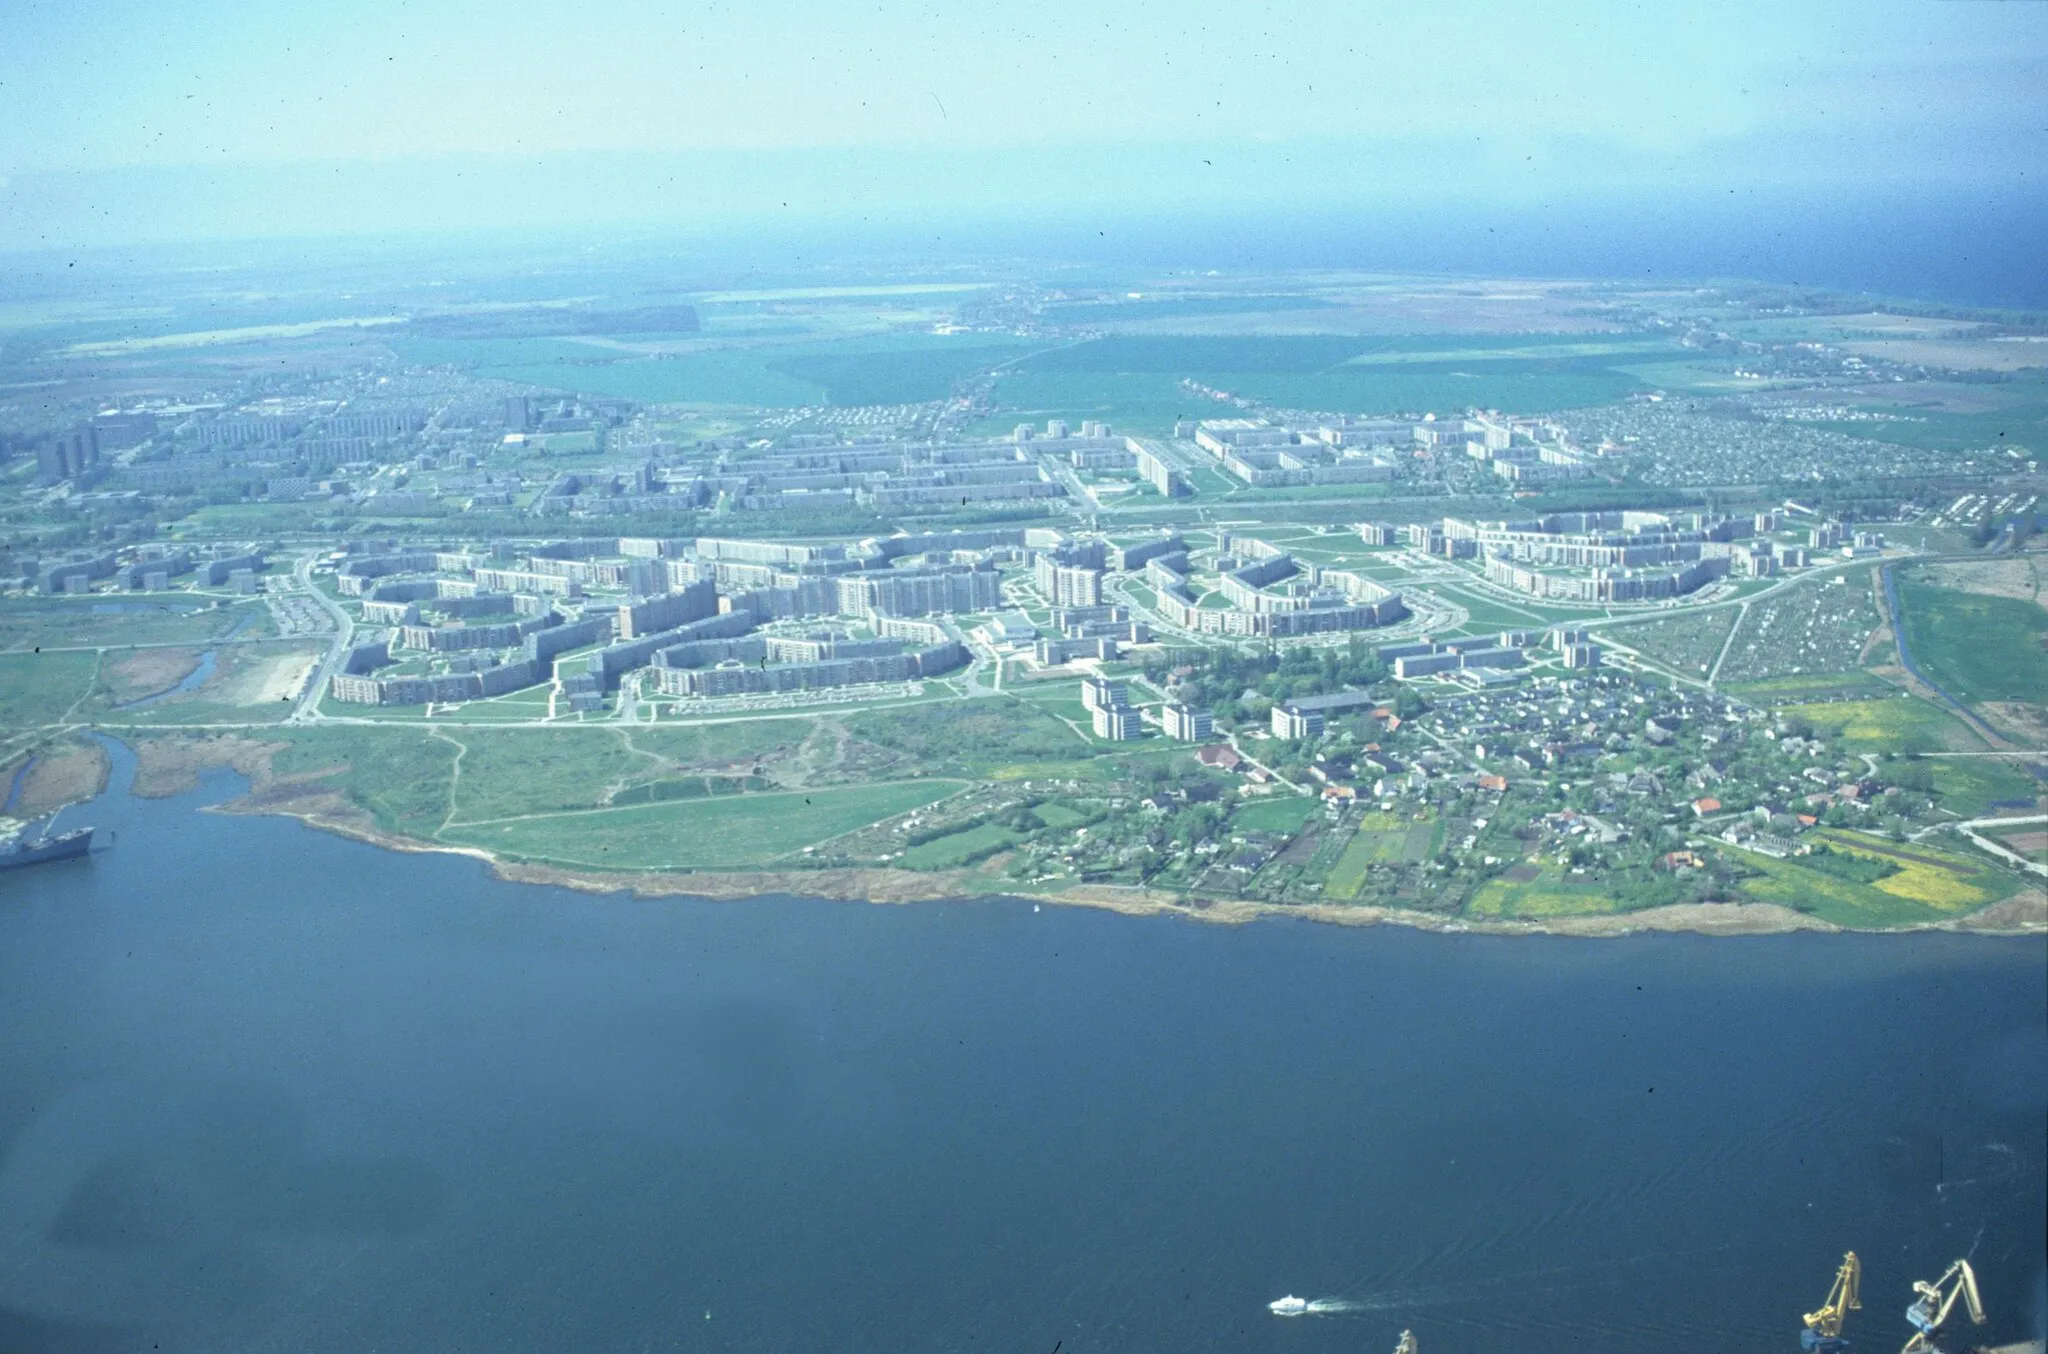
(1937, 1301)
(1823, 1333)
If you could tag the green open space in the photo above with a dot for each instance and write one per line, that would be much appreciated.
(400, 777)
(876, 369)
(725, 832)
(1814, 686)
(1971, 786)
(858, 371)
(1929, 884)
(1978, 648)
(37, 689)
(997, 737)
(1549, 894)
(118, 620)
(1899, 723)
(1281, 812)
(958, 848)
(1140, 374)
(1381, 839)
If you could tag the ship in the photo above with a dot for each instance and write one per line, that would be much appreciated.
(1288, 1306)
(63, 846)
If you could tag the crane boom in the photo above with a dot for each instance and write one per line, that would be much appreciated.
(1823, 1333)
(1937, 1302)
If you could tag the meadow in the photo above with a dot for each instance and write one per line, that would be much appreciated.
(726, 832)
(1978, 648)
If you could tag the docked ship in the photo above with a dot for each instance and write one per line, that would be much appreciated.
(64, 846)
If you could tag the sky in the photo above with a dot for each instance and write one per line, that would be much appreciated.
(133, 120)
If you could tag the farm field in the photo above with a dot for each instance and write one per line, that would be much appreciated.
(1930, 884)
(1979, 648)
(1548, 894)
(727, 832)
(1529, 374)
(1899, 723)
(1818, 686)
(1381, 839)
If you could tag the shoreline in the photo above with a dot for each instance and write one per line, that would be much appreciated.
(163, 771)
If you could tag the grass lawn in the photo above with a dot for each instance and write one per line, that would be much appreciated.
(1979, 648)
(1060, 816)
(1280, 812)
(957, 848)
(728, 832)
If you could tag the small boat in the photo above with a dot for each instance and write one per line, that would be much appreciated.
(1288, 1306)
(63, 846)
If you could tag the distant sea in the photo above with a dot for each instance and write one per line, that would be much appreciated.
(263, 1088)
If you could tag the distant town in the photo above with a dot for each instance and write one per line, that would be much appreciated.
(1468, 664)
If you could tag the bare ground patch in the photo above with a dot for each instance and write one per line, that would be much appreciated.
(170, 766)
(2023, 722)
(2014, 576)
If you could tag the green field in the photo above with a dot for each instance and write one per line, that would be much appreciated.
(1273, 813)
(1978, 648)
(958, 848)
(1381, 839)
(400, 776)
(1930, 884)
(1971, 785)
(1550, 894)
(1776, 690)
(1898, 723)
(1137, 377)
(727, 832)
(118, 621)
(889, 369)
(858, 372)
(42, 688)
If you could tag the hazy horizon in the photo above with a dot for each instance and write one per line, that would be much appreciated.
(1748, 141)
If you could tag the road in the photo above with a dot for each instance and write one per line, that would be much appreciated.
(307, 710)
(2000, 849)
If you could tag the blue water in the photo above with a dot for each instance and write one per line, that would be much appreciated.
(15, 784)
(263, 1088)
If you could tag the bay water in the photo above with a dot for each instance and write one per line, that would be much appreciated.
(264, 1088)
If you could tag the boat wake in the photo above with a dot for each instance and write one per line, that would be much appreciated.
(1293, 1306)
